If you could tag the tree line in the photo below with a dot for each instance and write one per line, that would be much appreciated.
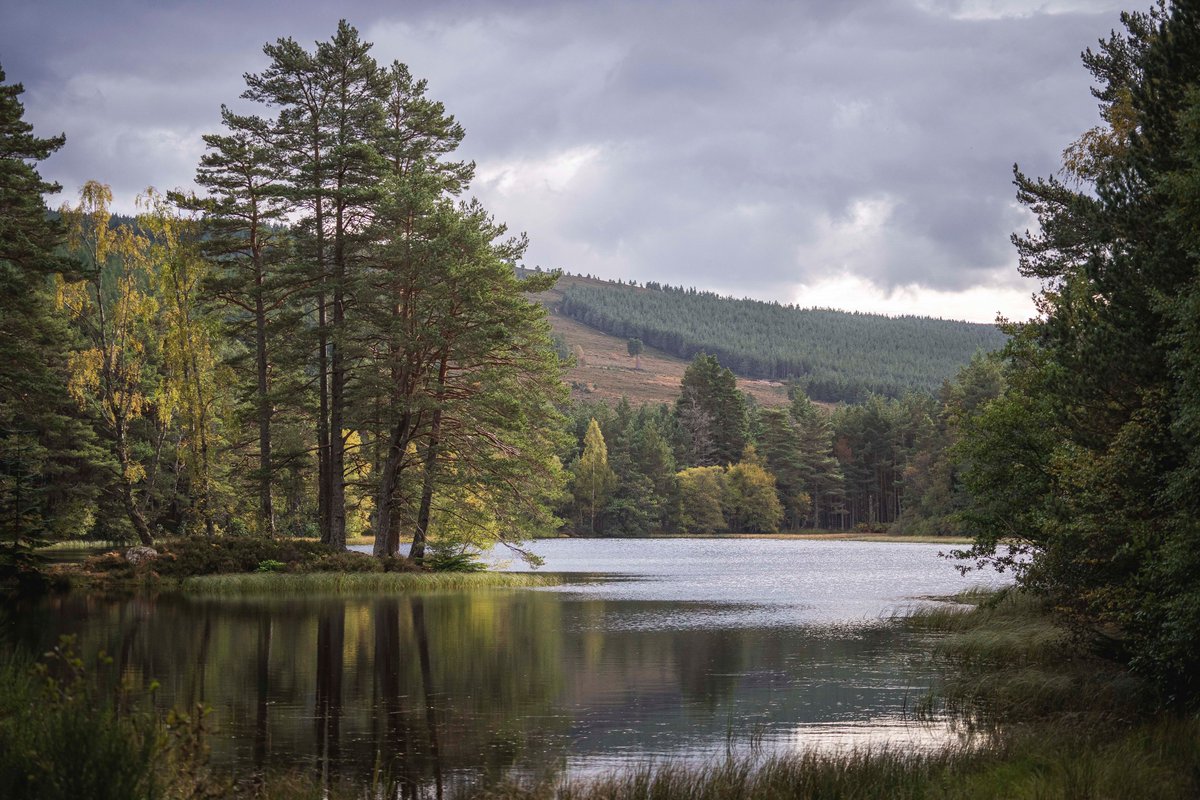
(327, 339)
(835, 356)
(715, 461)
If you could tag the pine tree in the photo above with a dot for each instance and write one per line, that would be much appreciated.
(712, 412)
(1092, 449)
(782, 449)
(44, 448)
(251, 276)
(821, 472)
(331, 114)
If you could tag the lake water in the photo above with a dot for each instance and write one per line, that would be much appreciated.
(679, 649)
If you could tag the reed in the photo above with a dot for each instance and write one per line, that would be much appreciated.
(1012, 658)
(1157, 760)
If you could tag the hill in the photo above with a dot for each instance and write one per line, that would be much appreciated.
(834, 355)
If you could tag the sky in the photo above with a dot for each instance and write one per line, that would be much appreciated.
(852, 154)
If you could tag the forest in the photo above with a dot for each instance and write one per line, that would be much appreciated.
(331, 340)
(833, 356)
(717, 462)
(328, 340)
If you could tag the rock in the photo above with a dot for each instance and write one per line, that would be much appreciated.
(136, 555)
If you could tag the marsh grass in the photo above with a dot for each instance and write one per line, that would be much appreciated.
(1011, 658)
(268, 583)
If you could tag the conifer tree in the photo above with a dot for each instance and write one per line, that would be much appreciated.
(331, 114)
(712, 413)
(251, 274)
(1092, 450)
(820, 469)
(43, 444)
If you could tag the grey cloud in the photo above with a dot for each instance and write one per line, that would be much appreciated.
(728, 138)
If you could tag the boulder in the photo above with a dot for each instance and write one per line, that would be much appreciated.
(136, 555)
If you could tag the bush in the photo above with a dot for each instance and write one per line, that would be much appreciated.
(399, 564)
(346, 562)
(454, 562)
(201, 556)
(60, 736)
(111, 563)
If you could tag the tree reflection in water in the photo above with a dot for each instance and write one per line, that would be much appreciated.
(435, 692)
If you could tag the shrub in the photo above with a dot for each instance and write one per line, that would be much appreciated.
(346, 562)
(455, 562)
(399, 564)
(110, 563)
(60, 736)
(202, 556)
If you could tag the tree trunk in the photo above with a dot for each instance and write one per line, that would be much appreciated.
(417, 552)
(266, 509)
(387, 540)
(337, 395)
(323, 483)
(140, 526)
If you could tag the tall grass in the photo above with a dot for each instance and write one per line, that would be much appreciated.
(1011, 658)
(357, 582)
(1154, 761)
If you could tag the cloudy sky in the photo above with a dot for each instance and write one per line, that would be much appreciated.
(844, 153)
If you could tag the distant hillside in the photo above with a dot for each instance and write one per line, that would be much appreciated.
(604, 370)
(834, 355)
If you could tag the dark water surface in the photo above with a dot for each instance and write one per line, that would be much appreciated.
(655, 650)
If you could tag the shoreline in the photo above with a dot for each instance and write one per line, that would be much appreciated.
(816, 536)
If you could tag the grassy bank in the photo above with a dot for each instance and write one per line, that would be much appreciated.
(356, 582)
(250, 566)
(1013, 659)
(1157, 760)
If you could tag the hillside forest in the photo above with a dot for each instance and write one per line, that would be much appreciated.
(331, 339)
(833, 356)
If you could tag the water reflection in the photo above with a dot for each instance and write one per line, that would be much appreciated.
(440, 690)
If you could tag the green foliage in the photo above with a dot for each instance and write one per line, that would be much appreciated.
(710, 414)
(47, 454)
(1089, 457)
(449, 561)
(750, 503)
(190, 556)
(593, 478)
(834, 355)
(61, 735)
(701, 490)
